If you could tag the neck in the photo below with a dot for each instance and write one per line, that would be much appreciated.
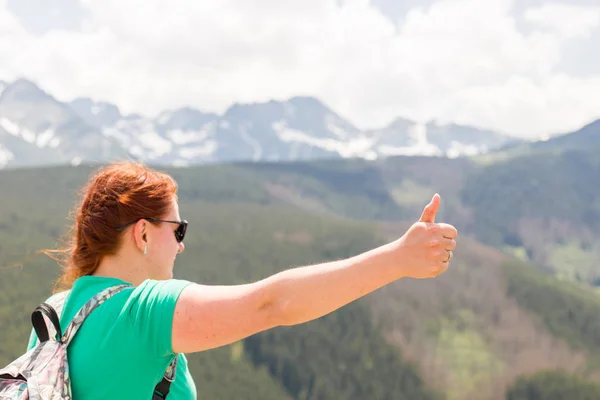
(123, 268)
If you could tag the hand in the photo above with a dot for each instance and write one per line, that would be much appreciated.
(424, 251)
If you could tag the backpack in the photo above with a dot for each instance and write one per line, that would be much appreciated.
(43, 372)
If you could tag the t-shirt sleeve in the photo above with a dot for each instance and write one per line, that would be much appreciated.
(150, 308)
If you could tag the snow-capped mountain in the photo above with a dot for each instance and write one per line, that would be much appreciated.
(37, 129)
(404, 137)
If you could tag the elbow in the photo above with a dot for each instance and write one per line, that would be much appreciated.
(274, 307)
(279, 314)
(264, 305)
(271, 314)
(283, 311)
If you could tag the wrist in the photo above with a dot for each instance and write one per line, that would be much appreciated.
(387, 259)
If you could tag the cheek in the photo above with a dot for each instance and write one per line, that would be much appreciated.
(168, 245)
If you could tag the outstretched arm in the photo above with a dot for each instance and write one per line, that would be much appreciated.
(211, 316)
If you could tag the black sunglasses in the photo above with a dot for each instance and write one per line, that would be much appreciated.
(179, 232)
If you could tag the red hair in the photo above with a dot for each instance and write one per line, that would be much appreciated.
(113, 196)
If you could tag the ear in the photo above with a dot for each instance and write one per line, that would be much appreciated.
(140, 234)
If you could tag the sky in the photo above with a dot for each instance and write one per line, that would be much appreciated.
(525, 68)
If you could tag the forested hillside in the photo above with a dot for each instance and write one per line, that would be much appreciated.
(489, 324)
(229, 241)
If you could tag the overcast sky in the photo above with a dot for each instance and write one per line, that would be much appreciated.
(525, 67)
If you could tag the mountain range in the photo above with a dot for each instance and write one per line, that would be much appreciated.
(37, 129)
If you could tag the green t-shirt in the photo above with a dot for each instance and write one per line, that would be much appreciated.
(124, 346)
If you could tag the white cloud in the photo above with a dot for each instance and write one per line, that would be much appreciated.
(458, 60)
(567, 20)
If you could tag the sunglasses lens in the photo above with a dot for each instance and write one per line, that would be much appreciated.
(180, 232)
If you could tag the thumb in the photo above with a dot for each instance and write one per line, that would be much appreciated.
(431, 209)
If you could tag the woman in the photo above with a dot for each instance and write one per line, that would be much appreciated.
(128, 231)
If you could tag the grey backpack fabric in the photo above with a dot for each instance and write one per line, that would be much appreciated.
(43, 372)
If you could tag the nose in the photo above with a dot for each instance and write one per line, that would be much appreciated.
(181, 247)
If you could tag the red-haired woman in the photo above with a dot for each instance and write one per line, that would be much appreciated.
(128, 231)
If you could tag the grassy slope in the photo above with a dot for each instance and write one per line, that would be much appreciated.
(545, 204)
(468, 330)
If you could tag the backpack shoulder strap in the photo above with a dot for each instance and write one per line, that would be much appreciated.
(161, 390)
(87, 309)
(57, 302)
(40, 318)
(46, 317)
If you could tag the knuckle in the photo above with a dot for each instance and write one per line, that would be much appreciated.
(419, 227)
(434, 228)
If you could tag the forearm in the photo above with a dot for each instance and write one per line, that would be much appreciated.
(306, 293)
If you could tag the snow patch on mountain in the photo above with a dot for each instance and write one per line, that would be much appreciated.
(28, 135)
(10, 126)
(137, 151)
(47, 138)
(182, 137)
(332, 123)
(76, 161)
(118, 133)
(206, 149)
(164, 117)
(14, 129)
(139, 136)
(420, 145)
(460, 149)
(6, 156)
(253, 143)
(357, 147)
(54, 142)
(156, 143)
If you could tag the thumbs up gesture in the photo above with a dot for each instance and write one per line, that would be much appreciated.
(426, 248)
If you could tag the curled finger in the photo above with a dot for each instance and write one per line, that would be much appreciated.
(448, 244)
(448, 231)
